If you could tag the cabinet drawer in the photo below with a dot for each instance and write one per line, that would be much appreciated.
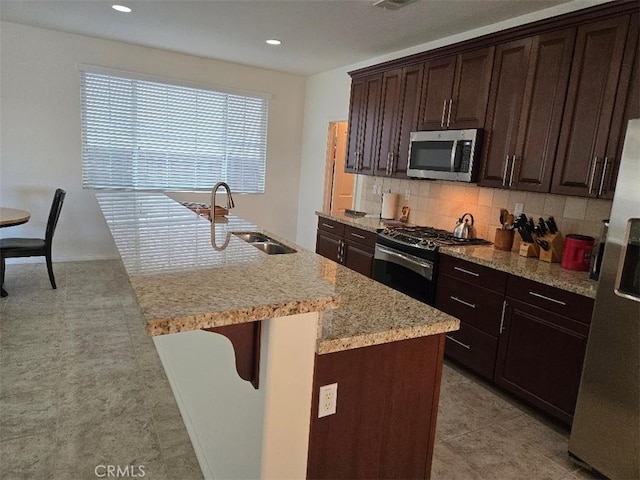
(472, 348)
(550, 298)
(358, 235)
(473, 305)
(332, 226)
(473, 273)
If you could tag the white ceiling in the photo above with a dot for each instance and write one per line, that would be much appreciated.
(317, 35)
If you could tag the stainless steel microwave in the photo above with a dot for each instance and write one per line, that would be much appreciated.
(444, 154)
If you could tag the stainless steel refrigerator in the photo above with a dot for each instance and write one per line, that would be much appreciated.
(606, 427)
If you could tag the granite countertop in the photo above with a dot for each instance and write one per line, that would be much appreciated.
(371, 224)
(182, 282)
(531, 268)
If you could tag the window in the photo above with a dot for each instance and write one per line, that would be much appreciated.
(141, 134)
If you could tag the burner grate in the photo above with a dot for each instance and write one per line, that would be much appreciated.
(428, 237)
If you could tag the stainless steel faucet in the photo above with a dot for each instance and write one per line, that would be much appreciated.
(230, 203)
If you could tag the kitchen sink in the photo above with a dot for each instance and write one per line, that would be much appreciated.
(252, 237)
(272, 248)
(264, 243)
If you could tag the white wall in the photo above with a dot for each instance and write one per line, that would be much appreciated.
(40, 132)
(327, 99)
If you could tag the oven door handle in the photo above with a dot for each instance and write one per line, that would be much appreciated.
(422, 267)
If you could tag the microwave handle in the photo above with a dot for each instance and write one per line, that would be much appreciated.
(454, 149)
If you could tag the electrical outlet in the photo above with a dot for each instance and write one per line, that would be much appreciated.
(407, 194)
(374, 190)
(518, 210)
(379, 189)
(327, 400)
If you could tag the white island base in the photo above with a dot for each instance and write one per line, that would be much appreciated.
(237, 431)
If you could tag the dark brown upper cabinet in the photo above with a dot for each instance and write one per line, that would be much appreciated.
(363, 123)
(398, 117)
(526, 100)
(591, 121)
(554, 104)
(455, 90)
(631, 109)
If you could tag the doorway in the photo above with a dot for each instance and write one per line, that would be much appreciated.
(338, 185)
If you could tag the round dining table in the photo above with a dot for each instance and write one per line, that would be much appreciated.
(10, 217)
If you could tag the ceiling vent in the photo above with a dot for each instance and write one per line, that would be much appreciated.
(392, 4)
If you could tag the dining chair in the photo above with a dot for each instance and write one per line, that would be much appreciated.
(34, 247)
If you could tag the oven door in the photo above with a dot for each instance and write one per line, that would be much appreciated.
(404, 272)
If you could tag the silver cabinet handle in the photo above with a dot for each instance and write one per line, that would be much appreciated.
(504, 308)
(327, 225)
(393, 155)
(444, 108)
(513, 166)
(358, 235)
(593, 172)
(506, 167)
(449, 114)
(389, 162)
(604, 174)
(468, 272)
(459, 300)
(560, 302)
(468, 347)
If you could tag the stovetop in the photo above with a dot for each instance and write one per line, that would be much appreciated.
(426, 238)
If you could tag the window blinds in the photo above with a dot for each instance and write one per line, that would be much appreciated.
(154, 136)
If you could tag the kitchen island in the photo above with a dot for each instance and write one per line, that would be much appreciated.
(310, 323)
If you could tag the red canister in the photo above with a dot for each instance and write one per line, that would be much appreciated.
(577, 252)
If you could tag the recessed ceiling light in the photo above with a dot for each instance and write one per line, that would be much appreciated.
(273, 41)
(121, 8)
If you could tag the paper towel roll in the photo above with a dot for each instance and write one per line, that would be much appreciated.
(389, 205)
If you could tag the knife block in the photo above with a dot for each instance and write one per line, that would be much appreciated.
(556, 245)
(529, 249)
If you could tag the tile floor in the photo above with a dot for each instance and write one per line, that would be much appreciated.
(81, 386)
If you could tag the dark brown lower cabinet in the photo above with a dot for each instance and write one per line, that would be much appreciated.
(524, 336)
(359, 258)
(328, 245)
(540, 357)
(351, 246)
(387, 404)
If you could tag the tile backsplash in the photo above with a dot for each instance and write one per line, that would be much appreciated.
(439, 204)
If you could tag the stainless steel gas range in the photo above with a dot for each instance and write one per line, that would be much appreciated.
(406, 258)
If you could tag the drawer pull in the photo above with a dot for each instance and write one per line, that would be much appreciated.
(560, 302)
(327, 225)
(466, 271)
(468, 347)
(459, 300)
(358, 236)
